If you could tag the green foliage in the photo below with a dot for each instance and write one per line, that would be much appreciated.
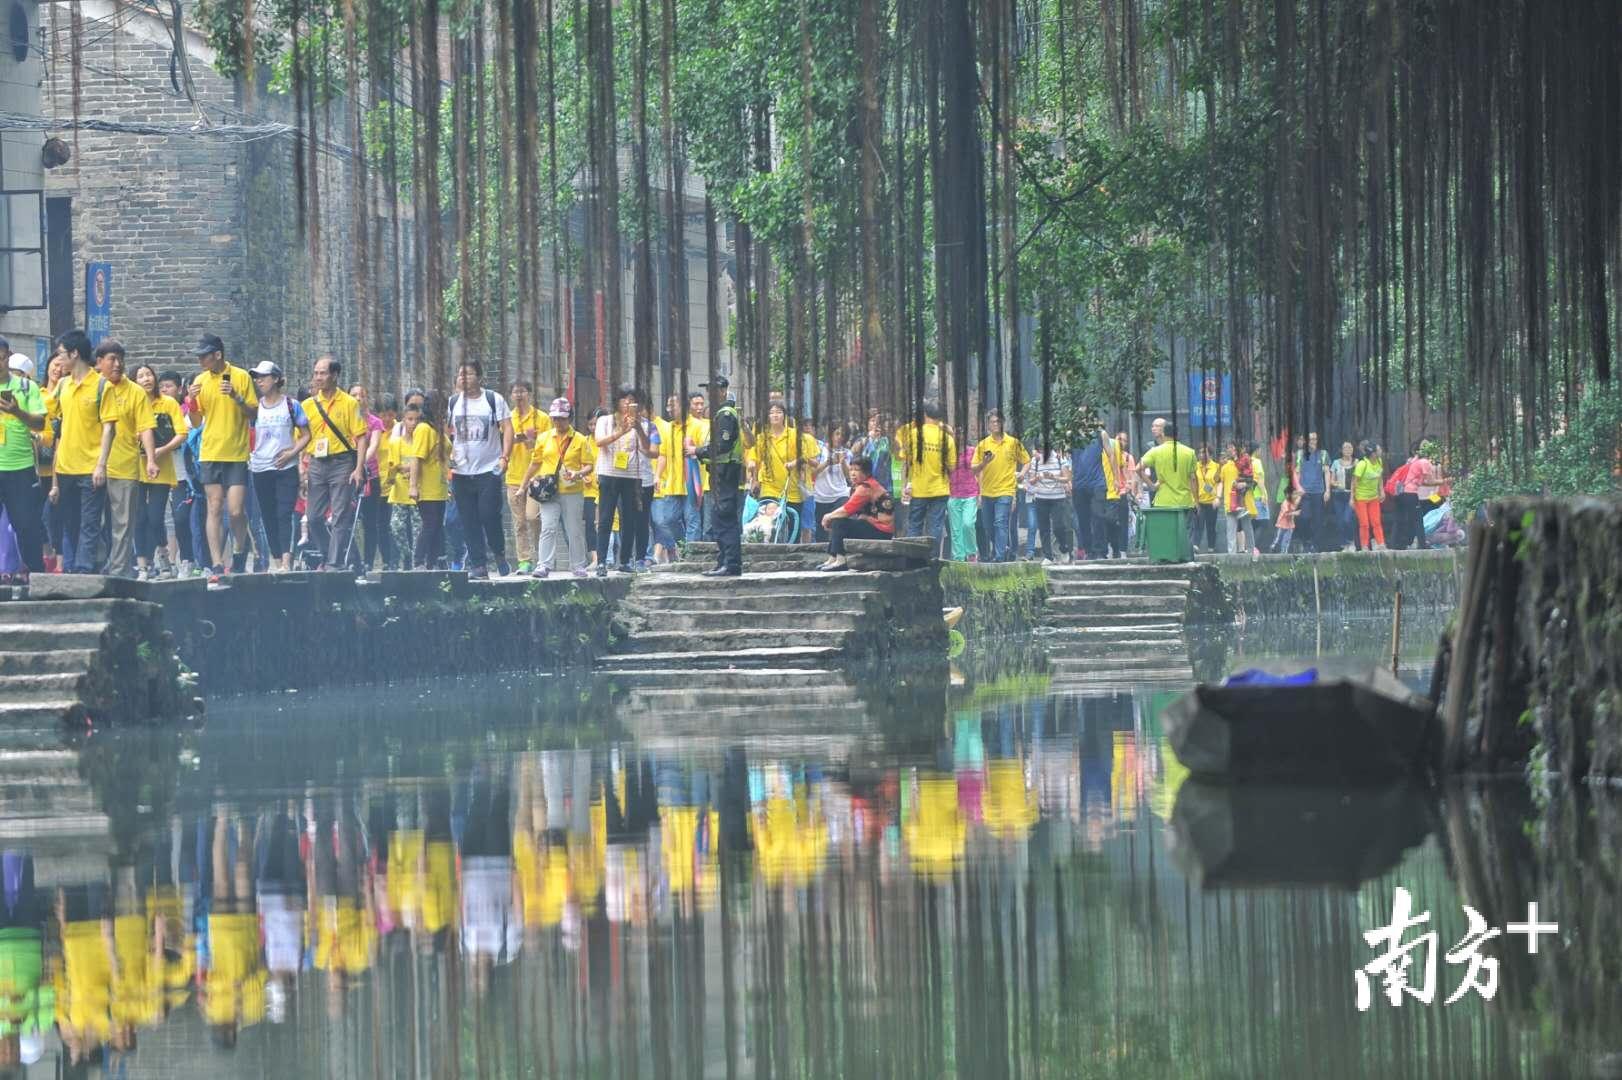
(1584, 459)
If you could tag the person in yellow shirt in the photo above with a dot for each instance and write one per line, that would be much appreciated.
(779, 461)
(84, 976)
(427, 457)
(528, 425)
(339, 437)
(152, 496)
(126, 456)
(73, 410)
(997, 462)
(564, 455)
(225, 399)
(1239, 498)
(697, 435)
(670, 481)
(1207, 489)
(927, 452)
(589, 492)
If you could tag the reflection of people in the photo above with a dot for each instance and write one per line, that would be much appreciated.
(84, 983)
(232, 988)
(26, 1004)
(279, 890)
(490, 926)
(343, 926)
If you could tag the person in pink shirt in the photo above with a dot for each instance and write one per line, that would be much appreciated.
(1420, 481)
(963, 505)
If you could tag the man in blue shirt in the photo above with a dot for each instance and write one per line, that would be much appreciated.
(1090, 491)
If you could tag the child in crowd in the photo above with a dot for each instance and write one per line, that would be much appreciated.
(1286, 523)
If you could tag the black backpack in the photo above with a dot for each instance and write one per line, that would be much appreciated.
(163, 429)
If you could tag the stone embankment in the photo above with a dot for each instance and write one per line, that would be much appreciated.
(87, 650)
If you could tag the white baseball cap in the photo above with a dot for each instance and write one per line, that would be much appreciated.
(22, 364)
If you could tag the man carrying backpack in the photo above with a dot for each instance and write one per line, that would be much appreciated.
(481, 432)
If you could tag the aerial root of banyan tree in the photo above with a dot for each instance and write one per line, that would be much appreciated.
(1536, 659)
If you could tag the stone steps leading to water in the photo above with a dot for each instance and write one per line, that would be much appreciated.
(671, 642)
(782, 620)
(760, 658)
(1117, 622)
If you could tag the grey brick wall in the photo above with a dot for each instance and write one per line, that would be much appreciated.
(201, 231)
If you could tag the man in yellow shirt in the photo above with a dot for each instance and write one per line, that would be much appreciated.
(528, 425)
(998, 459)
(75, 412)
(127, 454)
(927, 455)
(670, 481)
(339, 436)
(226, 402)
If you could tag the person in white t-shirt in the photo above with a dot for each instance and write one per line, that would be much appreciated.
(280, 431)
(623, 448)
(481, 434)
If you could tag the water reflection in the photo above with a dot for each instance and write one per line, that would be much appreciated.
(369, 885)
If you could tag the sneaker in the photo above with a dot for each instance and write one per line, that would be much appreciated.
(186, 569)
(505, 567)
(216, 576)
(539, 575)
(579, 572)
(525, 566)
(142, 574)
(602, 571)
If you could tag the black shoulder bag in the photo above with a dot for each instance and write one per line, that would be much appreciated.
(543, 489)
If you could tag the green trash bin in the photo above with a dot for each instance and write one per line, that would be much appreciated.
(1166, 535)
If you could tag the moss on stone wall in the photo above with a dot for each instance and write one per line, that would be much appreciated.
(1347, 583)
(322, 630)
(998, 599)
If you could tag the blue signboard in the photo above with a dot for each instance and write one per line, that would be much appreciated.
(98, 300)
(1210, 399)
(42, 358)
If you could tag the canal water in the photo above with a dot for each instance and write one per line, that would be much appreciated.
(931, 874)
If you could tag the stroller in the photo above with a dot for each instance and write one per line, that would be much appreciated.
(769, 521)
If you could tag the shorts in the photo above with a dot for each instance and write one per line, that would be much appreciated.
(224, 473)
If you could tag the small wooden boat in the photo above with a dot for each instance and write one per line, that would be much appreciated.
(1354, 728)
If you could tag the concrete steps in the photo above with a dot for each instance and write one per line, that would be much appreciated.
(48, 636)
(54, 686)
(1116, 622)
(672, 642)
(44, 663)
(721, 620)
(762, 659)
(783, 676)
(656, 601)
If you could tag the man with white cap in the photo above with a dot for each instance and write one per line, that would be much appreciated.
(22, 416)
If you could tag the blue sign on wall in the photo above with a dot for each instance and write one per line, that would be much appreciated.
(98, 300)
(1210, 399)
(42, 358)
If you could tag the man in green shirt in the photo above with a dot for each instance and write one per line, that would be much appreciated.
(1168, 469)
(22, 414)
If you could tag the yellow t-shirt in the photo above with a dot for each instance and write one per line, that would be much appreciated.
(1001, 475)
(699, 431)
(137, 996)
(432, 486)
(74, 403)
(578, 453)
(1208, 482)
(530, 423)
(169, 407)
(235, 974)
(1113, 463)
(391, 470)
(225, 425)
(347, 419)
(771, 455)
(930, 476)
(1173, 464)
(125, 405)
(588, 487)
(85, 980)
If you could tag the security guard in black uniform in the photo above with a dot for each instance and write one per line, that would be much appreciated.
(725, 457)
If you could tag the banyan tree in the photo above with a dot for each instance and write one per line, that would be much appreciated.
(1368, 214)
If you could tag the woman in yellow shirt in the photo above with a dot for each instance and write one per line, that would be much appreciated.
(564, 455)
(152, 496)
(427, 458)
(1207, 486)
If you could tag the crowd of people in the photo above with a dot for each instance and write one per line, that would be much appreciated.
(221, 469)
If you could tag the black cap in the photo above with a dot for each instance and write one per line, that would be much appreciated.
(208, 343)
(717, 380)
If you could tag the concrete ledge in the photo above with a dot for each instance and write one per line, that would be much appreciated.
(1333, 584)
